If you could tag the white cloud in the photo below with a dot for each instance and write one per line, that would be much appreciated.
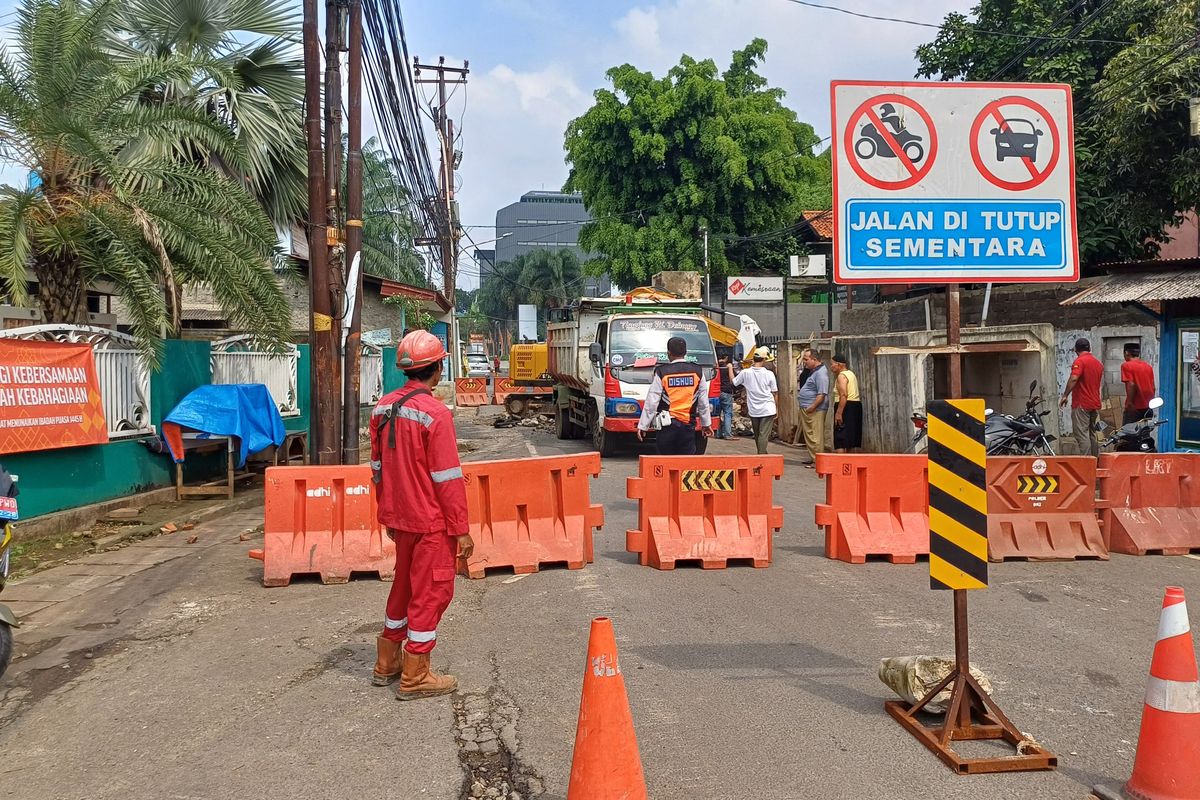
(516, 117)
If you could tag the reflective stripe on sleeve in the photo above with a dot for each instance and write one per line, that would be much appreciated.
(376, 465)
(422, 636)
(443, 475)
(394, 624)
(380, 410)
(414, 415)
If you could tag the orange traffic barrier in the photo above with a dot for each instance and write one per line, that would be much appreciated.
(1167, 764)
(704, 508)
(531, 512)
(605, 764)
(322, 520)
(1150, 502)
(1043, 508)
(875, 505)
(470, 392)
(503, 387)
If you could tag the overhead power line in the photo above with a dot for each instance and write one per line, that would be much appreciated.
(941, 25)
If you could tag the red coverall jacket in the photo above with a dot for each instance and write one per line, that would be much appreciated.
(422, 488)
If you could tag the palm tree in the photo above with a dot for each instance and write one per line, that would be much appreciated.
(248, 77)
(502, 291)
(108, 200)
(388, 224)
(550, 278)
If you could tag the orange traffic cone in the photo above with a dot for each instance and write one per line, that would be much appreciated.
(606, 764)
(1167, 764)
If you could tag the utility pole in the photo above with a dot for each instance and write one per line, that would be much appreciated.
(352, 347)
(320, 331)
(448, 236)
(707, 279)
(335, 32)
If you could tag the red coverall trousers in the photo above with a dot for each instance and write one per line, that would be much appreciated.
(422, 589)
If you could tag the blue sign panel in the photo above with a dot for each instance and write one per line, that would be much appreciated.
(930, 235)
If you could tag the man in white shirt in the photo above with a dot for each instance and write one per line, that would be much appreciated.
(762, 398)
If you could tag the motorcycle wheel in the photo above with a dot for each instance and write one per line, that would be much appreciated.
(914, 151)
(6, 642)
(870, 150)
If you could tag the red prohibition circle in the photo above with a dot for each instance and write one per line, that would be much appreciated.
(867, 109)
(1036, 177)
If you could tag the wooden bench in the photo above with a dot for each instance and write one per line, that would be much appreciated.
(204, 443)
(294, 449)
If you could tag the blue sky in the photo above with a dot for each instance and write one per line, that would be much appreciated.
(535, 63)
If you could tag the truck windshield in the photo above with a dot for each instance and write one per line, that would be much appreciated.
(630, 340)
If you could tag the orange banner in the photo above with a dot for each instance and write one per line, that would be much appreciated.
(49, 396)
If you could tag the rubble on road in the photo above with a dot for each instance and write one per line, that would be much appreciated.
(541, 422)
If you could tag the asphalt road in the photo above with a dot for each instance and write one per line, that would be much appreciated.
(189, 680)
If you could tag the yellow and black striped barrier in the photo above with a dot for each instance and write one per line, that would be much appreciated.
(958, 554)
(707, 480)
(1037, 484)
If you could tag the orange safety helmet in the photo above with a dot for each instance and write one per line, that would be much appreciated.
(418, 350)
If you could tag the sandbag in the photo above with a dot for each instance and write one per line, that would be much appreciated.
(911, 677)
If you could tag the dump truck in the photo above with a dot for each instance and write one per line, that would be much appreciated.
(602, 355)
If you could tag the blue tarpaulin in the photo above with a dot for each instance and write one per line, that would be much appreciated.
(244, 410)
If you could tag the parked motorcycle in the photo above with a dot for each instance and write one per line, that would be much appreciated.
(1025, 435)
(1136, 437)
(8, 513)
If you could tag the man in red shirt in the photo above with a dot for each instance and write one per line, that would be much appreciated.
(423, 507)
(1138, 377)
(1083, 390)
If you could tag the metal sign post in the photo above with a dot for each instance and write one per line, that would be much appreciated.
(942, 183)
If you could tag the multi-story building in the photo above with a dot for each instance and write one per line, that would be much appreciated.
(545, 220)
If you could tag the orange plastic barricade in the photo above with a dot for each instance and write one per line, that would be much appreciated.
(1150, 502)
(532, 511)
(875, 505)
(704, 508)
(1043, 508)
(470, 392)
(322, 520)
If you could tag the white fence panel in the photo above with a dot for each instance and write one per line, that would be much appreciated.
(370, 374)
(123, 376)
(242, 359)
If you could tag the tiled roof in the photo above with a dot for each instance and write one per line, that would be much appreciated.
(820, 221)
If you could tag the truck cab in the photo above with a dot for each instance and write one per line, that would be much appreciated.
(617, 345)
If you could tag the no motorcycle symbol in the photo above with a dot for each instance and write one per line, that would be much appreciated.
(891, 142)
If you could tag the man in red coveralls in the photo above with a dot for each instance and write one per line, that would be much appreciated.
(423, 508)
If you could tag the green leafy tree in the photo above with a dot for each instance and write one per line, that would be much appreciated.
(1132, 66)
(248, 76)
(659, 159)
(109, 201)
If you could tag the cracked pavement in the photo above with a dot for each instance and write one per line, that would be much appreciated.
(165, 670)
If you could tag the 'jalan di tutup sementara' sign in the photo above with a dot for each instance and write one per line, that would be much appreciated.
(49, 396)
(951, 182)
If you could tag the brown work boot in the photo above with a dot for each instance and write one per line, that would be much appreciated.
(418, 680)
(387, 662)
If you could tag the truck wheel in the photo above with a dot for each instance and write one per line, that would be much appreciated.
(604, 442)
(563, 427)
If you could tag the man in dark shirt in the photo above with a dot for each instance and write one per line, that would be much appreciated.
(1083, 391)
